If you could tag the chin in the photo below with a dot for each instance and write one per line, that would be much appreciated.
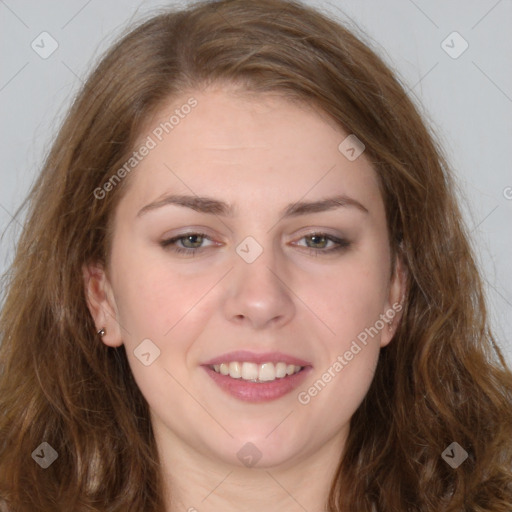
(259, 451)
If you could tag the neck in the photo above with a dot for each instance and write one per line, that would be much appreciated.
(196, 483)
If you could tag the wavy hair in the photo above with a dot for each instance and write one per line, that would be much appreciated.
(442, 378)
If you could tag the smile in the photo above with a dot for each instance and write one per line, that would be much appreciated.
(254, 389)
(253, 372)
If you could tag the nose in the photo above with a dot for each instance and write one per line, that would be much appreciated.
(257, 293)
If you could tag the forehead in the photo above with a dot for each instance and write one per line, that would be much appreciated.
(237, 145)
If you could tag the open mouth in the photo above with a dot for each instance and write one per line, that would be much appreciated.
(252, 372)
(252, 382)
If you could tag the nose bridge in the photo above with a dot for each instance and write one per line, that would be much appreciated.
(257, 270)
(257, 291)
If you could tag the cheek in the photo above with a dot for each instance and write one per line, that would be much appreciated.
(356, 298)
(353, 300)
(337, 390)
(350, 298)
(163, 303)
(155, 299)
(349, 354)
(164, 307)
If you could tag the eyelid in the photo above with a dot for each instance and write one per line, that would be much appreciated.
(312, 230)
(327, 236)
(339, 243)
(175, 238)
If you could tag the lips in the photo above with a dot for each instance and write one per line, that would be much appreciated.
(248, 391)
(257, 390)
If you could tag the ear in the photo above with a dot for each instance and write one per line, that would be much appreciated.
(395, 303)
(101, 303)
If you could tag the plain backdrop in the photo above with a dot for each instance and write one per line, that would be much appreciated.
(465, 96)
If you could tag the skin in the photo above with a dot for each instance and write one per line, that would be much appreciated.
(258, 153)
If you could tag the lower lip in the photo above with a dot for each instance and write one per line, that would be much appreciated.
(258, 392)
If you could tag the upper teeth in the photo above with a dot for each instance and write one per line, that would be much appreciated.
(256, 372)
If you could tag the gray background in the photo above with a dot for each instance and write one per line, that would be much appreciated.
(466, 100)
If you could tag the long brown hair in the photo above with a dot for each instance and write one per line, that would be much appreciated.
(441, 380)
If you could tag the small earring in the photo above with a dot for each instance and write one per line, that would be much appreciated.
(102, 332)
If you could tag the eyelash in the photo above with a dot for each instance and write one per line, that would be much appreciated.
(170, 244)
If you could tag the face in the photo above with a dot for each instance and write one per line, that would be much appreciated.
(276, 252)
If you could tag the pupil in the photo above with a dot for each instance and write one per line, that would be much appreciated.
(313, 237)
(190, 238)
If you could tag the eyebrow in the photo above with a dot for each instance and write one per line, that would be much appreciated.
(215, 207)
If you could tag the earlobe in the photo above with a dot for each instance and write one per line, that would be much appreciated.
(101, 304)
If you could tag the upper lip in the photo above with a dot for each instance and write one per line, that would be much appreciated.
(258, 358)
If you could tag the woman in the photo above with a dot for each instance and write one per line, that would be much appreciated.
(244, 281)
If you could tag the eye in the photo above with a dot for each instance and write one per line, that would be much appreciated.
(191, 243)
(320, 243)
